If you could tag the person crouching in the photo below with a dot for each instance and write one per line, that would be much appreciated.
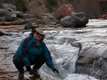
(33, 51)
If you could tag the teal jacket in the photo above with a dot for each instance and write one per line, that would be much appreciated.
(29, 50)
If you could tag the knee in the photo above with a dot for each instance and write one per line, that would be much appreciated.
(16, 59)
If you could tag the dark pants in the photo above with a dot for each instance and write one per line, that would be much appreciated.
(39, 61)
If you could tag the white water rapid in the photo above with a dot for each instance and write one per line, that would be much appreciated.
(64, 55)
(59, 41)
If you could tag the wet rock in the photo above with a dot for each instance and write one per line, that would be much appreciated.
(92, 61)
(75, 20)
(97, 68)
(88, 54)
(2, 33)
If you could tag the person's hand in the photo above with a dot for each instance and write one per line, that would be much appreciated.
(55, 70)
(28, 68)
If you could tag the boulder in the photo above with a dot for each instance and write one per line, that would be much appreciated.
(92, 60)
(89, 54)
(63, 11)
(5, 15)
(19, 14)
(75, 20)
(8, 6)
(16, 14)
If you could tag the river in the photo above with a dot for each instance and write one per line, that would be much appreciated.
(59, 41)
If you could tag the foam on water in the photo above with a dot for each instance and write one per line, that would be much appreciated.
(63, 53)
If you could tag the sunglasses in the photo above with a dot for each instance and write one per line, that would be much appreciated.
(39, 34)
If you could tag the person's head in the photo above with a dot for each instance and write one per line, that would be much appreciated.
(38, 33)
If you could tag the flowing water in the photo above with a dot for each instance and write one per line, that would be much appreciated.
(64, 55)
(62, 43)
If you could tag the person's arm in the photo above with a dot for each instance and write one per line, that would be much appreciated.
(49, 60)
(47, 54)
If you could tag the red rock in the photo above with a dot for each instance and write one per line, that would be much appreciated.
(104, 16)
(6, 23)
(63, 11)
(11, 28)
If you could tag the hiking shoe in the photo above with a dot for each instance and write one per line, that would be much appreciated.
(21, 74)
(35, 73)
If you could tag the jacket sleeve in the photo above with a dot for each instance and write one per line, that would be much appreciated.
(24, 51)
(47, 54)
